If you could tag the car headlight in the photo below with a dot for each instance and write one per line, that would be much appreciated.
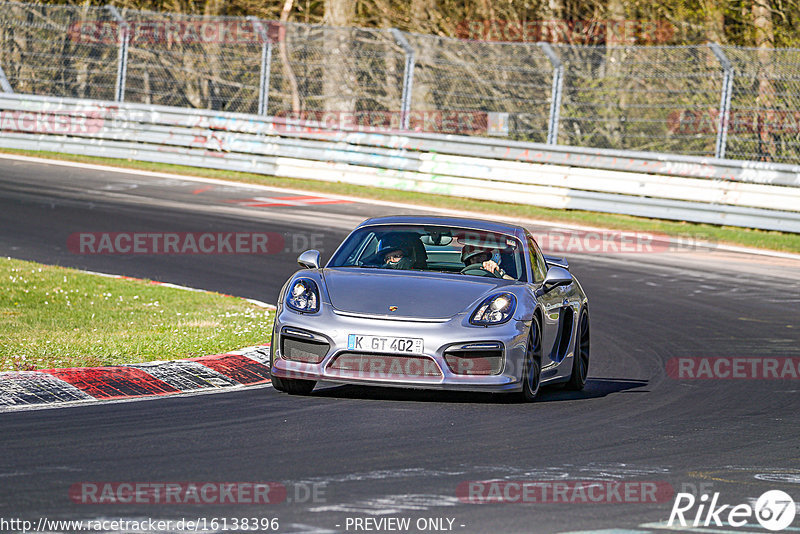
(496, 309)
(303, 296)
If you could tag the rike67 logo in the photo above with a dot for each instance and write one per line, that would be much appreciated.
(774, 510)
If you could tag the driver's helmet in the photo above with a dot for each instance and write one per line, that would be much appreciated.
(470, 251)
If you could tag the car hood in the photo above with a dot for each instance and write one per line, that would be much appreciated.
(416, 295)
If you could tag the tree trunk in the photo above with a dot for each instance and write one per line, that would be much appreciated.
(765, 42)
(339, 13)
(419, 16)
(212, 52)
(614, 75)
(338, 65)
(714, 21)
(147, 90)
(284, 53)
(552, 23)
(616, 28)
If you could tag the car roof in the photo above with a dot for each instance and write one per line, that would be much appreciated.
(440, 220)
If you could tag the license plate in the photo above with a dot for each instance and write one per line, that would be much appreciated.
(385, 344)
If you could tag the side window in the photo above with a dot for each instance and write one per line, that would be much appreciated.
(537, 260)
(361, 249)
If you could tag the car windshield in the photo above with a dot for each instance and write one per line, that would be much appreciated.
(431, 248)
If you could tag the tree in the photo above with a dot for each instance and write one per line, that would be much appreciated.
(338, 68)
(765, 43)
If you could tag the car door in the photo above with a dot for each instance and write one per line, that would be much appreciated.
(552, 301)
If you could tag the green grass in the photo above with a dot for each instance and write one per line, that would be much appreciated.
(780, 241)
(54, 317)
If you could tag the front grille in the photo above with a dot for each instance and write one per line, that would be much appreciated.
(387, 366)
(303, 350)
(474, 362)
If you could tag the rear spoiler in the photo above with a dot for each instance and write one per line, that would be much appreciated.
(560, 262)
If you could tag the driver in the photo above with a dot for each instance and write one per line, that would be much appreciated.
(395, 255)
(479, 262)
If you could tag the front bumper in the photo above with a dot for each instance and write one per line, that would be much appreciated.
(429, 370)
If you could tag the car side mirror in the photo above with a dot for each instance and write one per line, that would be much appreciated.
(309, 259)
(555, 277)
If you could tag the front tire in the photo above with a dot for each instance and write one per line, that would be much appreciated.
(532, 369)
(293, 386)
(580, 359)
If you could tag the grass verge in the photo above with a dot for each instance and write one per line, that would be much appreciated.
(780, 241)
(56, 317)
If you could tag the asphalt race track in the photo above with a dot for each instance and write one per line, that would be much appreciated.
(350, 457)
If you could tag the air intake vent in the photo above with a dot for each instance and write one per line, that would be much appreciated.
(384, 366)
(474, 362)
(303, 350)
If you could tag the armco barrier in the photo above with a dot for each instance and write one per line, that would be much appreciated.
(707, 190)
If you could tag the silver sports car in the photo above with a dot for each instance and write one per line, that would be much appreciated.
(435, 303)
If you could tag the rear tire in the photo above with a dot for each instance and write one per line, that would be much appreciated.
(532, 369)
(580, 359)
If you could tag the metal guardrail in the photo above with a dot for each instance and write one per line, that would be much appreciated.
(702, 100)
(726, 192)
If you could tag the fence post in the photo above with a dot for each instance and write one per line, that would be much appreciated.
(555, 92)
(5, 87)
(725, 100)
(408, 76)
(122, 56)
(266, 62)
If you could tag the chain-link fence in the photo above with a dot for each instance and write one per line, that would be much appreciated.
(40, 54)
(697, 100)
(765, 105)
(639, 98)
(188, 61)
(479, 76)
